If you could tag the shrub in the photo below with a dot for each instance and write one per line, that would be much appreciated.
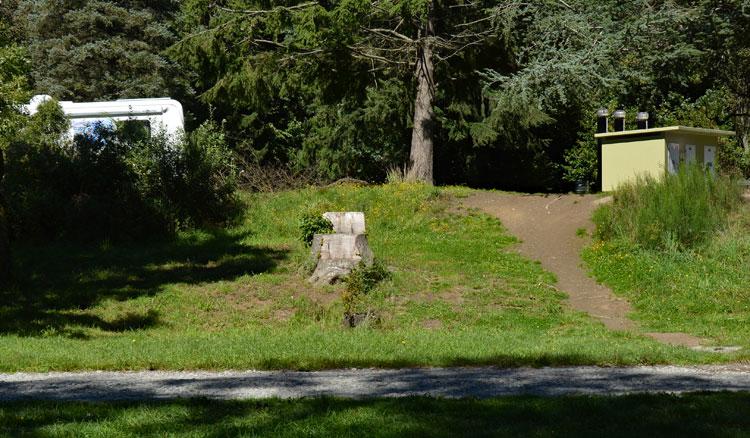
(360, 282)
(677, 211)
(734, 160)
(311, 223)
(37, 173)
(114, 183)
(188, 183)
(581, 163)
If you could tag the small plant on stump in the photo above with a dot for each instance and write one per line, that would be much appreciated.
(312, 223)
(359, 283)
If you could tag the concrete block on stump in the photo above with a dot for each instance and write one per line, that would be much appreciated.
(347, 222)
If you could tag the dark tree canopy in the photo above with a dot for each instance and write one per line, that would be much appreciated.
(494, 93)
(341, 85)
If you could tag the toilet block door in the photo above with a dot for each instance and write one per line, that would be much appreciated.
(673, 157)
(709, 158)
(689, 154)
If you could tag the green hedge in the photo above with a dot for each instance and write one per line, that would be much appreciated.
(114, 184)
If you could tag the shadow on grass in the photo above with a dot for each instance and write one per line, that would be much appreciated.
(721, 414)
(57, 283)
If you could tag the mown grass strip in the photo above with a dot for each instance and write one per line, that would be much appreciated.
(720, 414)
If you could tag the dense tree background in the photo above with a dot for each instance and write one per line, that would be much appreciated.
(14, 70)
(329, 86)
(99, 49)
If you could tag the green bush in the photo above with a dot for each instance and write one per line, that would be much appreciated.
(360, 282)
(113, 184)
(311, 223)
(187, 184)
(734, 160)
(679, 211)
(581, 163)
(38, 183)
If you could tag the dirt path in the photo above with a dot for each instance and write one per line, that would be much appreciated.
(547, 226)
(482, 382)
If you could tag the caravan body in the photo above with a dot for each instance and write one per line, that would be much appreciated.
(161, 114)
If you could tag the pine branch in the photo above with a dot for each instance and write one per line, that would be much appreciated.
(250, 12)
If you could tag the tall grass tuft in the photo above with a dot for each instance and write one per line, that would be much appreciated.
(675, 212)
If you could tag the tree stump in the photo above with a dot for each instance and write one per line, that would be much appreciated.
(337, 254)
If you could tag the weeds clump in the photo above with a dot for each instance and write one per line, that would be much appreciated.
(396, 175)
(361, 281)
(676, 212)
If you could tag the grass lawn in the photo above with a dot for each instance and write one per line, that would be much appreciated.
(237, 298)
(641, 415)
(705, 292)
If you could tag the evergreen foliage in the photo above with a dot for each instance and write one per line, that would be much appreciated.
(332, 84)
(88, 50)
(330, 87)
(14, 66)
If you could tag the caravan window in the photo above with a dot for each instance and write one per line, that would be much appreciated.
(133, 130)
(91, 128)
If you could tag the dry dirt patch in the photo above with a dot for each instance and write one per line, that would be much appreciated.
(272, 300)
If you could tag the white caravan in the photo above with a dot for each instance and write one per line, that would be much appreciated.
(161, 114)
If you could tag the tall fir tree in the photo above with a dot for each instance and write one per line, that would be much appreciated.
(356, 48)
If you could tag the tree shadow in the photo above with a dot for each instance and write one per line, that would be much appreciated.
(721, 414)
(56, 284)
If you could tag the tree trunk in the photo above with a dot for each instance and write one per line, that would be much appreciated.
(421, 156)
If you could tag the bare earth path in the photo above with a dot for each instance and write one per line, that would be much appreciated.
(481, 382)
(547, 225)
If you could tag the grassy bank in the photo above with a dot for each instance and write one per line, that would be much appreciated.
(678, 249)
(237, 298)
(662, 415)
(702, 292)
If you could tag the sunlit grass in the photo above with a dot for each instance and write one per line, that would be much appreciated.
(238, 298)
(703, 292)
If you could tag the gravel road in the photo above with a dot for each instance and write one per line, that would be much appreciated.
(481, 382)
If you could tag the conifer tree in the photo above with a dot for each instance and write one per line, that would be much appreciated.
(99, 49)
(383, 38)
